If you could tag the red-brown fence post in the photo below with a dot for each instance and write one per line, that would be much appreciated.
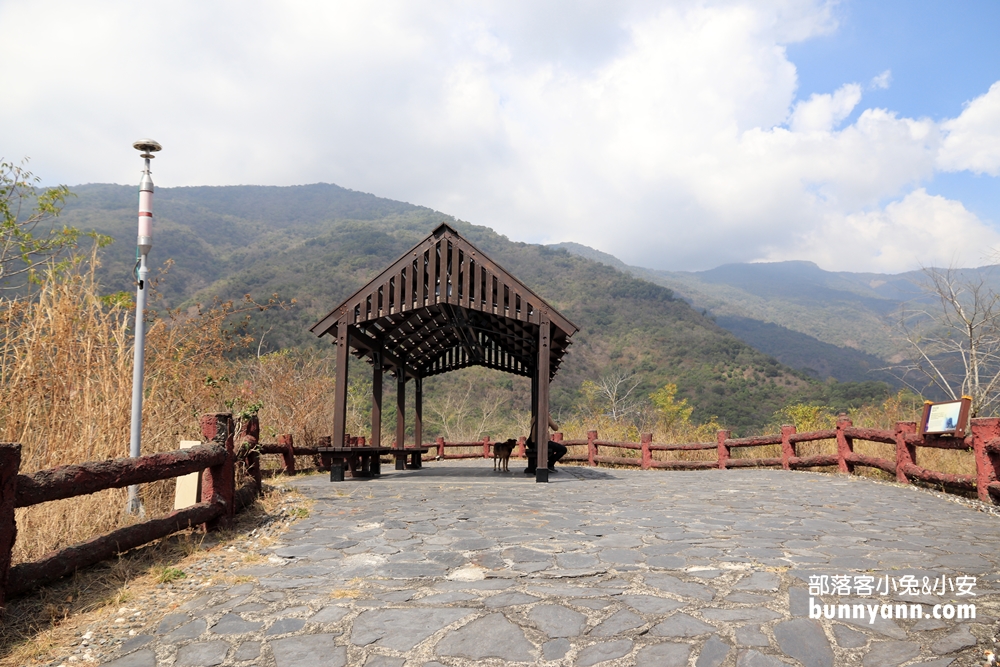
(723, 448)
(250, 438)
(906, 454)
(986, 431)
(647, 456)
(486, 446)
(557, 436)
(10, 463)
(787, 446)
(287, 456)
(845, 445)
(521, 453)
(440, 444)
(591, 447)
(218, 482)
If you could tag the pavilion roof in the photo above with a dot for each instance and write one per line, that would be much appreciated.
(463, 309)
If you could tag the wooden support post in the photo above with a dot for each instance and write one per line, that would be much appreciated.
(440, 445)
(845, 445)
(376, 399)
(10, 463)
(418, 411)
(986, 431)
(723, 448)
(543, 371)
(401, 406)
(647, 456)
(591, 447)
(520, 448)
(906, 454)
(787, 446)
(340, 388)
(287, 456)
(532, 432)
(486, 447)
(218, 482)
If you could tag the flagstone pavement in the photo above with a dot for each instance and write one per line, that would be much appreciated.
(455, 564)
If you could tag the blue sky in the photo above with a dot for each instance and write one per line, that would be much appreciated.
(941, 55)
(675, 134)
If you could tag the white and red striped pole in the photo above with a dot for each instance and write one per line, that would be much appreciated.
(143, 245)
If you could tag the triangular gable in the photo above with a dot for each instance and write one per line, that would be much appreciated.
(448, 269)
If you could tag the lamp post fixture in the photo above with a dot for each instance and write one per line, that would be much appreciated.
(143, 246)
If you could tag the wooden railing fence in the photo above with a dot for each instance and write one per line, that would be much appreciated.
(220, 499)
(983, 440)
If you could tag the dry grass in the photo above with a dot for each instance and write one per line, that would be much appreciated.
(66, 378)
(39, 626)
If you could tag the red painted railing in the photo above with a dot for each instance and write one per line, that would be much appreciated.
(220, 499)
(984, 441)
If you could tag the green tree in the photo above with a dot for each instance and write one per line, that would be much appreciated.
(805, 417)
(27, 235)
(671, 412)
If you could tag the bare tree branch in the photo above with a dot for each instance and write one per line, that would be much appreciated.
(954, 346)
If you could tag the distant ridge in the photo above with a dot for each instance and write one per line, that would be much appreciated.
(581, 250)
(827, 324)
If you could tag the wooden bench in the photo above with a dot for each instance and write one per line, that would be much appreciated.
(413, 452)
(361, 461)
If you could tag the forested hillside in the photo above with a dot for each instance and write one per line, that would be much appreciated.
(827, 324)
(318, 243)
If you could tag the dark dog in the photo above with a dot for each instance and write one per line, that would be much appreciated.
(501, 454)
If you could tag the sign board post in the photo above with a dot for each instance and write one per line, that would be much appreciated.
(188, 489)
(950, 418)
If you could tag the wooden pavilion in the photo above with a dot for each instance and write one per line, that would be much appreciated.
(442, 306)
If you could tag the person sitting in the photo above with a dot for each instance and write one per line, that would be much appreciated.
(556, 450)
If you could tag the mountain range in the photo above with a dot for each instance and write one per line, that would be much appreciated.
(319, 243)
(829, 324)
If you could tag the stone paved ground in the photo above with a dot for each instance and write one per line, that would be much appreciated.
(457, 565)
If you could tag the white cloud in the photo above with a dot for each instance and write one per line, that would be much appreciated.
(919, 229)
(972, 141)
(823, 112)
(667, 132)
(882, 81)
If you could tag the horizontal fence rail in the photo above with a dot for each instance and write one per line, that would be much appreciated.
(86, 478)
(216, 460)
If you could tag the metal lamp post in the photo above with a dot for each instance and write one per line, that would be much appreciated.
(145, 243)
